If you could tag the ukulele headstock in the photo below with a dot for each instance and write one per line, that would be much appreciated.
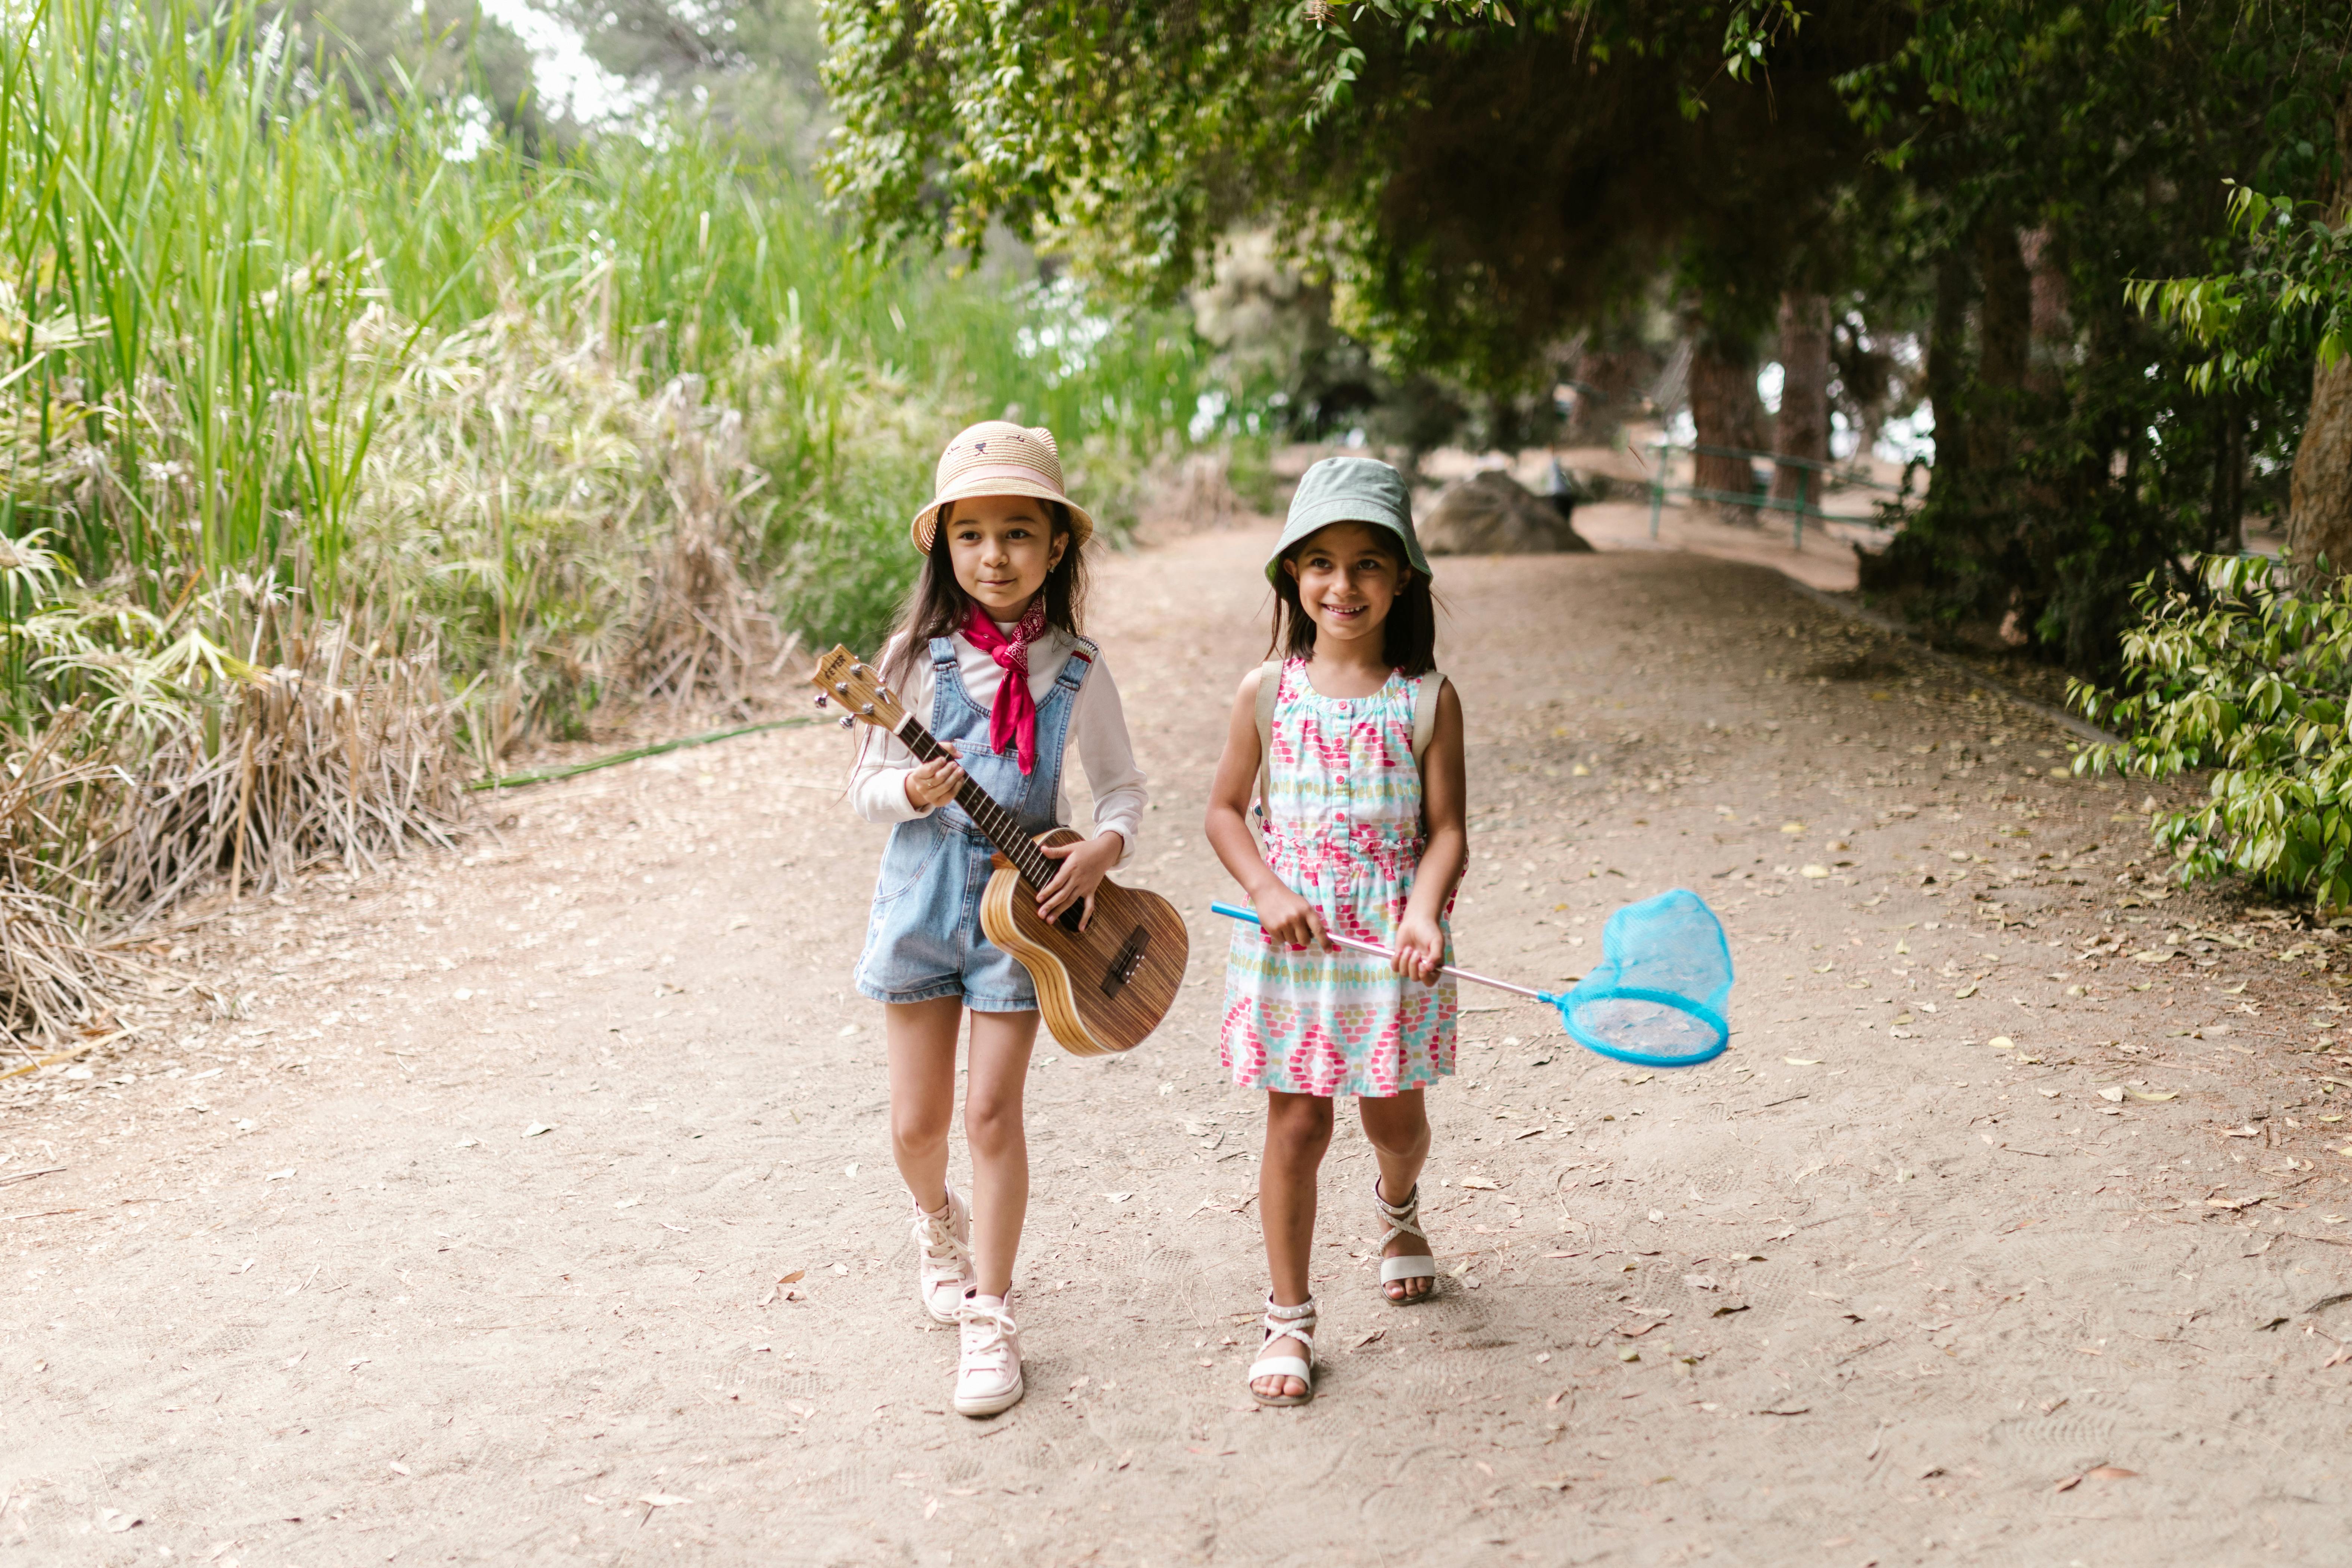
(841, 679)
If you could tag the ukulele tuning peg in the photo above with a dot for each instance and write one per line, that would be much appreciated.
(821, 700)
(842, 687)
(867, 711)
(846, 721)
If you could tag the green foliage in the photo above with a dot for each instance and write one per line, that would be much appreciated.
(1468, 181)
(2055, 154)
(2248, 680)
(386, 357)
(2288, 302)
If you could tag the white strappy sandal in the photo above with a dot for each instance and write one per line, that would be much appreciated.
(1404, 1219)
(1291, 1323)
(945, 1273)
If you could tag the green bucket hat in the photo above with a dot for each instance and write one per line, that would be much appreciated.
(1350, 489)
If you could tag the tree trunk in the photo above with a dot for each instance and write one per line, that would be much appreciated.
(1947, 355)
(2051, 323)
(1725, 412)
(2319, 506)
(2004, 337)
(1803, 429)
(2225, 508)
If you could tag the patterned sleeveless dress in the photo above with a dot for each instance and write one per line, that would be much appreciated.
(1342, 830)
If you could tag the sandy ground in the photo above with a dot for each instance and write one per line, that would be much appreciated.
(533, 1206)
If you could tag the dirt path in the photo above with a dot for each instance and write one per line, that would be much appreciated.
(464, 1242)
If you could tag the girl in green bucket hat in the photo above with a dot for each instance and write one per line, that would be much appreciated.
(1351, 745)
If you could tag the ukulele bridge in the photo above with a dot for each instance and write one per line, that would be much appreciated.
(1126, 962)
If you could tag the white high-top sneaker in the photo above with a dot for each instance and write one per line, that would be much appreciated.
(945, 1272)
(988, 1374)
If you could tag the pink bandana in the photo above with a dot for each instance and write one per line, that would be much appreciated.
(1014, 718)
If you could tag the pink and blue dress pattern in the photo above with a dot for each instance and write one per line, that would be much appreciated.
(1343, 830)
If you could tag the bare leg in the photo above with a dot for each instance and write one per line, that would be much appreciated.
(999, 1148)
(1297, 1132)
(1398, 1128)
(920, 1040)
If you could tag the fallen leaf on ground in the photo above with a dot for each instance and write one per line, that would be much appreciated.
(2108, 1473)
(1365, 1339)
(2113, 1095)
(536, 1128)
(1482, 1184)
(1803, 1061)
(2001, 1043)
(794, 1278)
(2168, 1094)
(285, 1176)
(1964, 992)
(397, 1468)
(662, 1499)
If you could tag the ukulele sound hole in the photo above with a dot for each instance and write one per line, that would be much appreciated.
(1068, 919)
(1126, 962)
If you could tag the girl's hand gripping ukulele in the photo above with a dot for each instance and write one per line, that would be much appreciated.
(1102, 989)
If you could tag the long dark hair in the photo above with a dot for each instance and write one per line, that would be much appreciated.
(1408, 637)
(937, 606)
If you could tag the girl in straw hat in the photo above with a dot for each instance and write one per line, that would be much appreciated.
(988, 654)
(1352, 743)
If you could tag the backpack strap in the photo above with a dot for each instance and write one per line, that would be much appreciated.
(1424, 717)
(1269, 686)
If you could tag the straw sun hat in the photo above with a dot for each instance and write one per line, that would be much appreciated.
(998, 457)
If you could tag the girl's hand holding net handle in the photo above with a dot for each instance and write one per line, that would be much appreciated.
(1288, 917)
(1234, 911)
(1419, 946)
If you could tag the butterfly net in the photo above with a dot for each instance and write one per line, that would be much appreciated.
(1658, 996)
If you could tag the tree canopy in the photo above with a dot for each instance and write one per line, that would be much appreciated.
(1475, 181)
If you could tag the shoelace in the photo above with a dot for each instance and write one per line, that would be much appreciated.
(994, 1341)
(935, 1234)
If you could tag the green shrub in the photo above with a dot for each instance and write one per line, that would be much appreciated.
(2249, 678)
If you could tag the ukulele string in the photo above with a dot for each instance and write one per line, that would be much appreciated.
(993, 818)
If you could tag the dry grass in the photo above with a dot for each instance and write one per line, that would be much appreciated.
(53, 981)
(339, 753)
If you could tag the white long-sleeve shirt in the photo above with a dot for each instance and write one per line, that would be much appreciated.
(1098, 732)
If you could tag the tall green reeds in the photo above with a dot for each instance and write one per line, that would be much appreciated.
(307, 408)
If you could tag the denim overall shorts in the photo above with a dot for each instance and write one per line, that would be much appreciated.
(923, 939)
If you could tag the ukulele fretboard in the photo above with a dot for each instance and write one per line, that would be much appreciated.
(1007, 834)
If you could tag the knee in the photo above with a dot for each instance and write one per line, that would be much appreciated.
(1300, 1127)
(917, 1130)
(1398, 1138)
(992, 1127)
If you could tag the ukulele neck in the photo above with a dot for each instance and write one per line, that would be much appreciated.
(1011, 839)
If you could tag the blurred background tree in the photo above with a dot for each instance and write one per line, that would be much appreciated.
(1486, 194)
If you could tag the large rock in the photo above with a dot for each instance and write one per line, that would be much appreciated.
(1493, 514)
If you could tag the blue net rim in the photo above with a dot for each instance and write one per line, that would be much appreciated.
(1675, 999)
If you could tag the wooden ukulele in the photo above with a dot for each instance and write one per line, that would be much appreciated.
(1102, 989)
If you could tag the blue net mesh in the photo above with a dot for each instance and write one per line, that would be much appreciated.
(1658, 996)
